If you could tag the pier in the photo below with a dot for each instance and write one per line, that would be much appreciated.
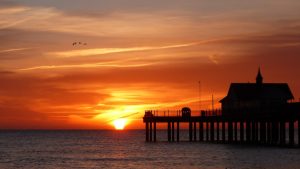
(212, 126)
(251, 113)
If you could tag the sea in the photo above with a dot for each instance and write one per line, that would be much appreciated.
(47, 149)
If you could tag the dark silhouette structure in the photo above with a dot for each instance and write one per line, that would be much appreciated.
(256, 113)
(186, 112)
(258, 98)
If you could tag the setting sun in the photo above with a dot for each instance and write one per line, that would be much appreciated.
(119, 124)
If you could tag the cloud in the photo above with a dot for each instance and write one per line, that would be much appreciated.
(34, 91)
(54, 20)
(214, 58)
(48, 102)
(91, 65)
(13, 10)
(3, 72)
(137, 56)
(129, 23)
(101, 51)
(13, 50)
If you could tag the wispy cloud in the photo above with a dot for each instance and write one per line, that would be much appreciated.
(117, 24)
(292, 44)
(90, 65)
(157, 53)
(13, 50)
(14, 10)
(101, 51)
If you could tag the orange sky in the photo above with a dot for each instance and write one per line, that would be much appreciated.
(139, 55)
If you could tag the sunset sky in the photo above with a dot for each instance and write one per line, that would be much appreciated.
(139, 54)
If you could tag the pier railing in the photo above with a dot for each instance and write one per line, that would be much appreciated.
(178, 113)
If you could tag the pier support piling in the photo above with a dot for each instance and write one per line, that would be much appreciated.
(190, 131)
(298, 132)
(195, 131)
(178, 131)
(147, 132)
(218, 131)
(150, 132)
(223, 132)
(248, 132)
(207, 131)
(269, 133)
(282, 133)
(256, 132)
(169, 131)
(154, 134)
(212, 131)
(241, 131)
(230, 132)
(173, 132)
(253, 134)
(200, 131)
(291, 133)
(274, 132)
(235, 131)
(263, 132)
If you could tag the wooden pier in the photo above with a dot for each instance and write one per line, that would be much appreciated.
(242, 128)
(256, 113)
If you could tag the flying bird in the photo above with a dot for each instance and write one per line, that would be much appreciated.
(79, 43)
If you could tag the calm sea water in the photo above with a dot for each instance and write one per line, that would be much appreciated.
(127, 149)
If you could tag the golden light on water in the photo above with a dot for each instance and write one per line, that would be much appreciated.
(120, 124)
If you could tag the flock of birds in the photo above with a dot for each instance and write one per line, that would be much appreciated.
(79, 43)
